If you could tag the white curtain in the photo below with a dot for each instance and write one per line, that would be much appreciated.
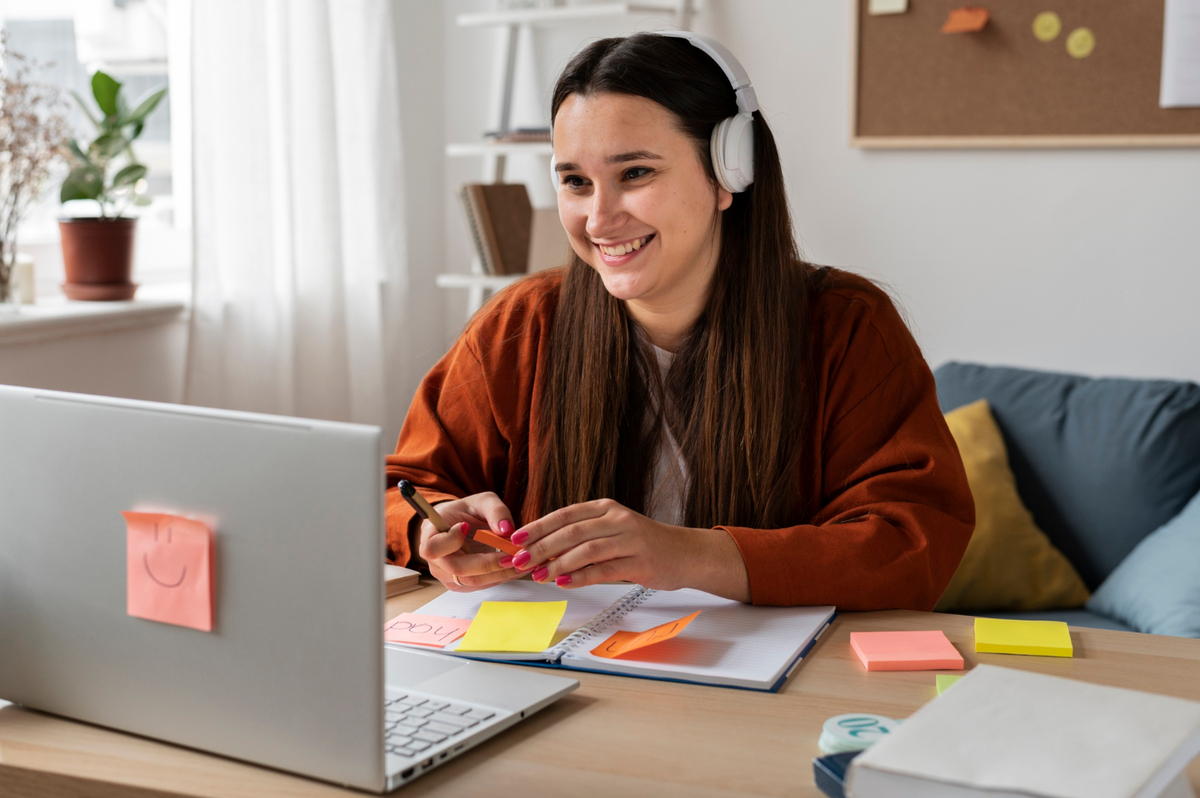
(300, 272)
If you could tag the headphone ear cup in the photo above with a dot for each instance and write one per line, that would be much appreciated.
(732, 150)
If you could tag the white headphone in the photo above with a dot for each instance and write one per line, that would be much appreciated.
(732, 142)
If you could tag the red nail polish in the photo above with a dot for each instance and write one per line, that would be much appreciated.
(520, 537)
(505, 527)
(522, 558)
(466, 529)
(541, 574)
(506, 561)
(563, 580)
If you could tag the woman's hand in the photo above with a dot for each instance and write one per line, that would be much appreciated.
(603, 541)
(477, 566)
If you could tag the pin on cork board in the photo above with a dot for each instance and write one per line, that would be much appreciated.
(1027, 73)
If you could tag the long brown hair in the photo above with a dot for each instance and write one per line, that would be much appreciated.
(737, 395)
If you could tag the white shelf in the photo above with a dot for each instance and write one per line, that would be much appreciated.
(573, 13)
(490, 282)
(500, 148)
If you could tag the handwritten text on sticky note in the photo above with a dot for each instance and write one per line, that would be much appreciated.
(424, 630)
(625, 642)
(169, 569)
(513, 626)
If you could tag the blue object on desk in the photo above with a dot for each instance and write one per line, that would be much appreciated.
(829, 773)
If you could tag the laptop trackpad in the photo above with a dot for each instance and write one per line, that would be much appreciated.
(407, 668)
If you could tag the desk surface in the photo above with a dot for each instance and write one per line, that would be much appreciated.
(613, 735)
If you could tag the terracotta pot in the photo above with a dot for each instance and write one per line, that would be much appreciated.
(98, 258)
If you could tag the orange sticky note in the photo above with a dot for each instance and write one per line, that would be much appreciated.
(424, 630)
(169, 569)
(965, 20)
(906, 651)
(624, 642)
(489, 538)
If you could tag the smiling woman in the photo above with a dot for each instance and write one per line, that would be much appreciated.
(687, 403)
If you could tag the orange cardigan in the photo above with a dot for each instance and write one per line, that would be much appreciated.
(895, 509)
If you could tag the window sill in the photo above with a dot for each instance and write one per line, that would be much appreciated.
(57, 318)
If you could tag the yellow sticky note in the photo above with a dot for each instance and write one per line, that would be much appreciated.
(944, 680)
(513, 626)
(1040, 638)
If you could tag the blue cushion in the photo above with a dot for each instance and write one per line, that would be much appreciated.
(1088, 620)
(1157, 588)
(1101, 463)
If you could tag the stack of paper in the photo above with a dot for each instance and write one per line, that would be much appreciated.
(399, 580)
(1005, 733)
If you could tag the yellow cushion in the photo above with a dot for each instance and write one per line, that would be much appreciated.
(1010, 564)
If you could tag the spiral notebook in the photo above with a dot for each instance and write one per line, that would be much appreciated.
(729, 644)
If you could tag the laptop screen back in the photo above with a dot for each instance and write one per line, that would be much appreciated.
(291, 674)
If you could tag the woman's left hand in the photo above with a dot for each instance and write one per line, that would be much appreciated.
(604, 541)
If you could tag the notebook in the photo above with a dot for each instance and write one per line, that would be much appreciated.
(1004, 733)
(499, 217)
(729, 644)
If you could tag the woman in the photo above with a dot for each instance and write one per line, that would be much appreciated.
(687, 403)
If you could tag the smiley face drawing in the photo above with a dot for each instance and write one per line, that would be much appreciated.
(169, 569)
(150, 571)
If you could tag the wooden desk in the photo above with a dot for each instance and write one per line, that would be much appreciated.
(613, 736)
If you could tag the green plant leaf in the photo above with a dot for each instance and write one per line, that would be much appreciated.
(83, 106)
(78, 153)
(143, 200)
(129, 175)
(146, 105)
(85, 182)
(105, 88)
(107, 145)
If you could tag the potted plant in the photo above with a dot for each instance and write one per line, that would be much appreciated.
(32, 123)
(98, 250)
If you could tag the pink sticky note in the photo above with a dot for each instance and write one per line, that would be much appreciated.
(169, 569)
(424, 630)
(906, 651)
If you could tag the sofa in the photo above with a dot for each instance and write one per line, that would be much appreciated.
(1101, 464)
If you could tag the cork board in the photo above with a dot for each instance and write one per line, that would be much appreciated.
(1002, 87)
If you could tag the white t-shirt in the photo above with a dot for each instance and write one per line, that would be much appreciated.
(670, 473)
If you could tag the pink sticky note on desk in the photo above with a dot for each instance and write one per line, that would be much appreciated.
(169, 569)
(906, 651)
(424, 630)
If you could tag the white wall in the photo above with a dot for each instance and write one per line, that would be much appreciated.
(144, 362)
(1084, 260)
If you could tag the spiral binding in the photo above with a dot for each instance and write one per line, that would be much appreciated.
(615, 612)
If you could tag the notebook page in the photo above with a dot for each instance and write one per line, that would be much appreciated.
(583, 604)
(729, 642)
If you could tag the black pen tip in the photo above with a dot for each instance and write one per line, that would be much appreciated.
(406, 489)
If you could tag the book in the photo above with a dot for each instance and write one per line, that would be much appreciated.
(398, 579)
(500, 219)
(1004, 733)
(729, 644)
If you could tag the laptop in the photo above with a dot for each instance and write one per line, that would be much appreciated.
(294, 673)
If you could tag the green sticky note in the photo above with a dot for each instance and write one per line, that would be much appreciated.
(944, 680)
(513, 626)
(1041, 638)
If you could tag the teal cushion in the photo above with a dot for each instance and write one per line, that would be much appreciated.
(1156, 589)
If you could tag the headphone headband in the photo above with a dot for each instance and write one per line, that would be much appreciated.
(747, 100)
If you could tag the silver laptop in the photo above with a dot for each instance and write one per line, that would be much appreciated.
(294, 673)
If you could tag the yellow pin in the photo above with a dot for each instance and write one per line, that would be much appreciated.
(1046, 26)
(1081, 43)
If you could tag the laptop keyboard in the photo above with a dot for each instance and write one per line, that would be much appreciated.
(414, 724)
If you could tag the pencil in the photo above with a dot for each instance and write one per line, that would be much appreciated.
(424, 509)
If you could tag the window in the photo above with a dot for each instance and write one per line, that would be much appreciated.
(144, 45)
